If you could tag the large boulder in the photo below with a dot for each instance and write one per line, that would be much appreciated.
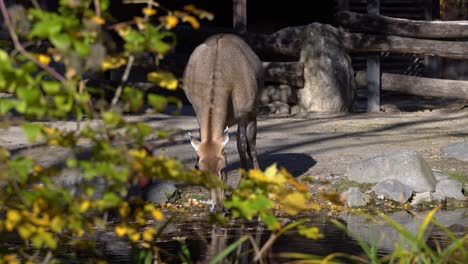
(329, 84)
(406, 166)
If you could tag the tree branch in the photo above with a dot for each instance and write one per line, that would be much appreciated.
(118, 92)
(21, 49)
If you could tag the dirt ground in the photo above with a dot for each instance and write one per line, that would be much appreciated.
(313, 144)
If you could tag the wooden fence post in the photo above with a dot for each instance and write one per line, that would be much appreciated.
(432, 64)
(373, 67)
(239, 15)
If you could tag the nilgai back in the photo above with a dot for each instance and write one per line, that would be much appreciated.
(222, 80)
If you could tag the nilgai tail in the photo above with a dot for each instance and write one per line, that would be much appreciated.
(222, 80)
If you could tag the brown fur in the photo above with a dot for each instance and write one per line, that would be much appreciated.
(222, 80)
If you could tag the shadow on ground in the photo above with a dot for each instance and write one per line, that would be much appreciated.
(295, 163)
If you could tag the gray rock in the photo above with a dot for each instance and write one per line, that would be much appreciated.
(295, 109)
(329, 84)
(454, 217)
(353, 197)
(274, 108)
(281, 108)
(382, 234)
(439, 176)
(394, 190)
(161, 192)
(407, 166)
(282, 93)
(465, 188)
(457, 151)
(420, 198)
(448, 189)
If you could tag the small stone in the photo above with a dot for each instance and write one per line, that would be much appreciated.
(353, 197)
(295, 109)
(394, 190)
(420, 198)
(457, 151)
(439, 176)
(281, 108)
(161, 192)
(448, 189)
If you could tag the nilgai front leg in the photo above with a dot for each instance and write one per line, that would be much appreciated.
(222, 80)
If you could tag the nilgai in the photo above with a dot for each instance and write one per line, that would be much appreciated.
(221, 81)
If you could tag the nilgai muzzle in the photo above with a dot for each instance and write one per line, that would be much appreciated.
(222, 80)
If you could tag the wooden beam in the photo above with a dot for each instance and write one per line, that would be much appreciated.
(403, 27)
(420, 86)
(291, 73)
(376, 43)
(239, 15)
(373, 67)
(425, 86)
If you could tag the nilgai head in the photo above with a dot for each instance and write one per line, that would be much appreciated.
(211, 155)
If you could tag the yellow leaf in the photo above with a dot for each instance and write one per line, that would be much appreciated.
(40, 221)
(57, 224)
(98, 20)
(121, 230)
(123, 30)
(148, 11)
(124, 209)
(148, 234)
(42, 58)
(163, 79)
(134, 237)
(11, 259)
(142, 153)
(12, 219)
(192, 20)
(79, 233)
(145, 244)
(110, 63)
(37, 168)
(141, 23)
(26, 230)
(310, 232)
(157, 214)
(293, 203)
(84, 206)
(170, 21)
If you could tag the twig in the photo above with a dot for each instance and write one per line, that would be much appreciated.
(35, 4)
(128, 68)
(266, 246)
(97, 7)
(48, 256)
(255, 247)
(20, 48)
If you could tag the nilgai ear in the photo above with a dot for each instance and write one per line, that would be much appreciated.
(226, 136)
(195, 143)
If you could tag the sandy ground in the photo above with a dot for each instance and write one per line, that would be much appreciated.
(320, 145)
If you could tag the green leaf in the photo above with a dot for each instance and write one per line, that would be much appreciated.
(32, 131)
(63, 103)
(31, 96)
(111, 199)
(223, 254)
(312, 232)
(104, 4)
(271, 221)
(134, 97)
(7, 104)
(144, 129)
(45, 29)
(51, 87)
(158, 102)
(61, 41)
(111, 118)
(21, 167)
(81, 47)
